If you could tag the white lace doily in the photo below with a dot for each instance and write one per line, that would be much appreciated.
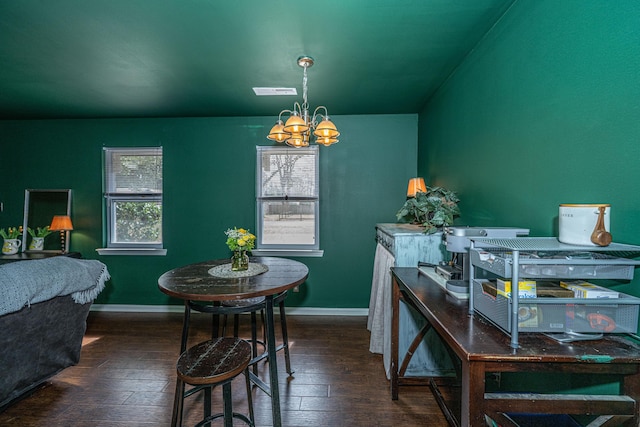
(224, 270)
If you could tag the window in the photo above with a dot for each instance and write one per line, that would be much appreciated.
(133, 197)
(287, 201)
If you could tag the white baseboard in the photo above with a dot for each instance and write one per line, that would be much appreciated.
(293, 311)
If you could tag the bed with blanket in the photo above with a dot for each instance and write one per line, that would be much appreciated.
(44, 305)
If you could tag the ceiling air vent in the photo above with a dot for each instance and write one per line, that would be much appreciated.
(271, 91)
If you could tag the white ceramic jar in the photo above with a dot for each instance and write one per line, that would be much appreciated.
(577, 222)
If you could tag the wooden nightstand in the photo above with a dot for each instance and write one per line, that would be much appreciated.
(30, 255)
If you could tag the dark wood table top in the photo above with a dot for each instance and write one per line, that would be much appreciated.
(474, 338)
(193, 282)
(31, 255)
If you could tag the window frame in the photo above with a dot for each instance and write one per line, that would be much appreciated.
(286, 248)
(111, 198)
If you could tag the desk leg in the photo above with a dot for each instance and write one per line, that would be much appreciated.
(273, 362)
(472, 394)
(632, 388)
(395, 325)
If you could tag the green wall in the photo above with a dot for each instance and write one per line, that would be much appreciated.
(545, 110)
(209, 186)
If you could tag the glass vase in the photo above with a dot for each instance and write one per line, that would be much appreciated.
(239, 261)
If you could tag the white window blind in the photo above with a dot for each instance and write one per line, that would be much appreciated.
(133, 197)
(287, 202)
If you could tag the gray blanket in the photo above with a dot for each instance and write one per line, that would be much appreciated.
(24, 283)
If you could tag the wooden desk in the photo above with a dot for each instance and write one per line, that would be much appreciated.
(194, 283)
(482, 348)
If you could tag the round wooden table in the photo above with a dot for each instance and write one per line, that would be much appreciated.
(194, 282)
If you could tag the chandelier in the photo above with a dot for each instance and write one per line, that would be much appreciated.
(299, 127)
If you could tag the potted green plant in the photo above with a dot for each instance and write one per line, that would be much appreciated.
(434, 209)
(37, 237)
(11, 241)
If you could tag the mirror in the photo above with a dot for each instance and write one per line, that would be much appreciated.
(39, 208)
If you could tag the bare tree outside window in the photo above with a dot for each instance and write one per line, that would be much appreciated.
(287, 198)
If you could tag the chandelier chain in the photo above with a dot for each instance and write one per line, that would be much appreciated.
(305, 104)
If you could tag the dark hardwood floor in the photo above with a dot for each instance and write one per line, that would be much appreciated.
(126, 378)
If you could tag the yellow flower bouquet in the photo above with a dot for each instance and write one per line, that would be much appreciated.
(239, 239)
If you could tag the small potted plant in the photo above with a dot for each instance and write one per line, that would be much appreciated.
(11, 241)
(434, 209)
(240, 241)
(37, 237)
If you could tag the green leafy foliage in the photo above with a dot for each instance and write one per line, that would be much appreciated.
(434, 209)
(39, 231)
(138, 222)
(11, 233)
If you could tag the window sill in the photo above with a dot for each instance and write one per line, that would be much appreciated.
(132, 251)
(288, 252)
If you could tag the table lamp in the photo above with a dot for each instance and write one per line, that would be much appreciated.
(61, 223)
(416, 185)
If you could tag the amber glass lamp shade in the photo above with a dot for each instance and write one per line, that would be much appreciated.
(295, 124)
(298, 140)
(277, 132)
(416, 185)
(326, 141)
(326, 129)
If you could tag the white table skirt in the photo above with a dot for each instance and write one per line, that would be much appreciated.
(430, 357)
(379, 320)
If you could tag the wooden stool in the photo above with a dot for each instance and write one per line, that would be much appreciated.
(209, 364)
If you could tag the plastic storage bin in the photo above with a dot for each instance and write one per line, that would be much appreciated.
(565, 265)
(582, 315)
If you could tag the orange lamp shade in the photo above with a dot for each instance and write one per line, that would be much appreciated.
(416, 185)
(61, 223)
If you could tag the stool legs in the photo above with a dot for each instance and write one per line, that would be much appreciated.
(228, 414)
(178, 405)
(213, 363)
(178, 401)
(207, 403)
(228, 409)
(249, 397)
